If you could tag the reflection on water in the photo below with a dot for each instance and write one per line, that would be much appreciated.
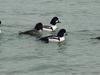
(26, 55)
(62, 46)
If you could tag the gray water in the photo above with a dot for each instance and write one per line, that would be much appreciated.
(25, 55)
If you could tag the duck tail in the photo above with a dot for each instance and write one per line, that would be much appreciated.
(21, 33)
(45, 39)
(96, 38)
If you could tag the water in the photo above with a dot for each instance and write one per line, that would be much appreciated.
(24, 55)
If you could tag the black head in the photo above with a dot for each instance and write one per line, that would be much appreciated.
(61, 33)
(54, 21)
(39, 26)
(0, 22)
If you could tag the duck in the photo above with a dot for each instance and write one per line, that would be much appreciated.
(35, 31)
(55, 38)
(52, 26)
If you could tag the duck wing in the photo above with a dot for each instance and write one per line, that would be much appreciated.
(97, 38)
(46, 38)
(29, 32)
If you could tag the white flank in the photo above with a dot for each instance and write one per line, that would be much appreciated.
(49, 29)
(56, 40)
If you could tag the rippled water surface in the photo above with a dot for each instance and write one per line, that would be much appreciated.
(25, 55)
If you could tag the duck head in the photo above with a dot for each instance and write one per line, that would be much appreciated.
(54, 21)
(39, 26)
(61, 33)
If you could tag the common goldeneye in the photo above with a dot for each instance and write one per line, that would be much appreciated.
(52, 25)
(55, 38)
(35, 31)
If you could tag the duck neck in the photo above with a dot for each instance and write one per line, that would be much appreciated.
(54, 27)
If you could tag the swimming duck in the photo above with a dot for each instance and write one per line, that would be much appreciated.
(55, 38)
(35, 31)
(52, 25)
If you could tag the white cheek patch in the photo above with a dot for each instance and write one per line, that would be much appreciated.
(57, 21)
